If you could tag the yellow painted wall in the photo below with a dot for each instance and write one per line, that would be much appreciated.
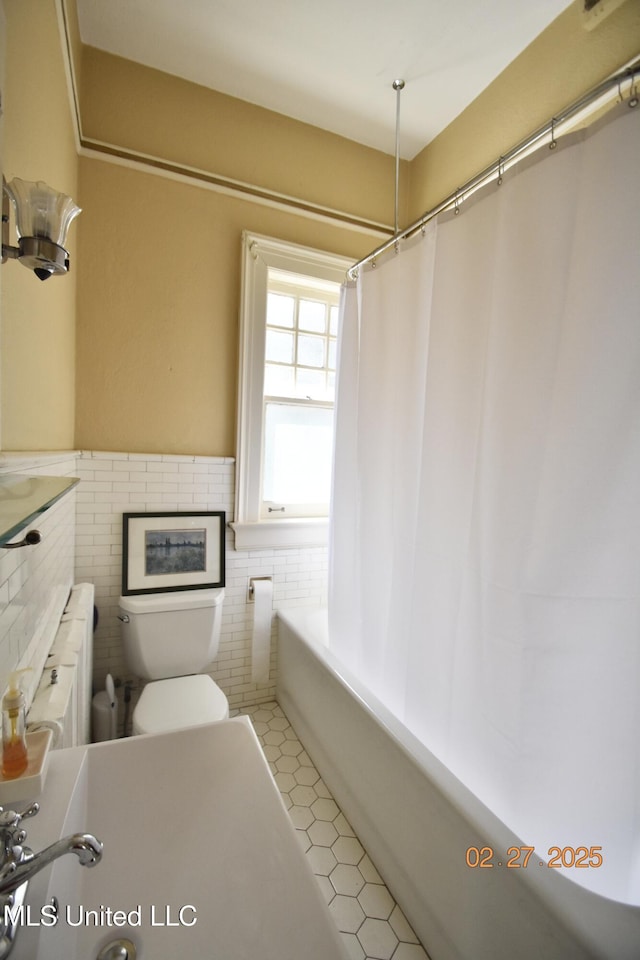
(157, 261)
(37, 341)
(159, 287)
(145, 110)
(158, 306)
(555, 70)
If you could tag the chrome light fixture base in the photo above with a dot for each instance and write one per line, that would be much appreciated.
(43, 256)
(39, 254)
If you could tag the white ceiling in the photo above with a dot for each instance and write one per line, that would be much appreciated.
(330, 63)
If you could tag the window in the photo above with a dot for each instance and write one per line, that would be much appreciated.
(289, 321)
(299, 384)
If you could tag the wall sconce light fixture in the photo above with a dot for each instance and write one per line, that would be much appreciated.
(42, 218)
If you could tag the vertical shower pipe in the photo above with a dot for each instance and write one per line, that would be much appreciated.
(398, 86)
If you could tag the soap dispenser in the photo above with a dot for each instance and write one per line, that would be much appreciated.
(14, 744)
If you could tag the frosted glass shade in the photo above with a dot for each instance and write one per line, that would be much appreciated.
(41, 211)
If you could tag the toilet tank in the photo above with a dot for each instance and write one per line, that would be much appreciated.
(171, 634)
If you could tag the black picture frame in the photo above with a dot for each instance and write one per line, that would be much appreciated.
(167, 551)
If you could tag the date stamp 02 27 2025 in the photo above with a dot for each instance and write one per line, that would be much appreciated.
(518, 857)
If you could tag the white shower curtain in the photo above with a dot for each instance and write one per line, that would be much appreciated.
(485, 551)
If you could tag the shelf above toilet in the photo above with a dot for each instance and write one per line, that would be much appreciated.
(23, 498)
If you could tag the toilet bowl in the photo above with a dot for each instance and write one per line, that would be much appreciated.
(167, 638)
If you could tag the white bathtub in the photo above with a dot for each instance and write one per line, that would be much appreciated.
(417, 822)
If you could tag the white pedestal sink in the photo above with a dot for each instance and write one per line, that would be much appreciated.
(200, 858)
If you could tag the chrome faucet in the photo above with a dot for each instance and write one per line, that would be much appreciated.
(18, 864)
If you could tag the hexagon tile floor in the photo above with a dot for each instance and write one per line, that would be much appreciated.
(370, 921)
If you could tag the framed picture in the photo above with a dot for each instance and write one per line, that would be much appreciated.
(172, 551)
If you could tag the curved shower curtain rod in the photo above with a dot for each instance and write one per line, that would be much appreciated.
(585, 104)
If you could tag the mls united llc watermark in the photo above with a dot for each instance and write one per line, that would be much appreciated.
(79, 916)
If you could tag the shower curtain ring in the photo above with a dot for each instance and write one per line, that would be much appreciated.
(554, 142)
(500, 170)
(456, 204)
(633, 92)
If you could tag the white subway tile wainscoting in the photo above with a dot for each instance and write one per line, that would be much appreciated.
(82, 541)
(372, 924)
(116, 483)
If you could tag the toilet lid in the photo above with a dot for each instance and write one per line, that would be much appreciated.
(179, 702)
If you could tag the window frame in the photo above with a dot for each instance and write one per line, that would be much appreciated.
(259, 254)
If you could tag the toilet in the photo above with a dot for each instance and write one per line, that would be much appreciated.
(168, 638)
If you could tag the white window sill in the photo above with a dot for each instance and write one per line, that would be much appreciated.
(269, 534)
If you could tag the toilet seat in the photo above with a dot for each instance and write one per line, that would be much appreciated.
(179, 702)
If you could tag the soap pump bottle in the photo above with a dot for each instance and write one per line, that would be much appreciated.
(14, 744)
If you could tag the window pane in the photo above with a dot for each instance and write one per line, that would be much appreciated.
(312, 316)
(311, 384)
(332, 355)
(280, 309)
(279, 381)
(333, 321)
(297, 453)
(279, 346)
(311, 350)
